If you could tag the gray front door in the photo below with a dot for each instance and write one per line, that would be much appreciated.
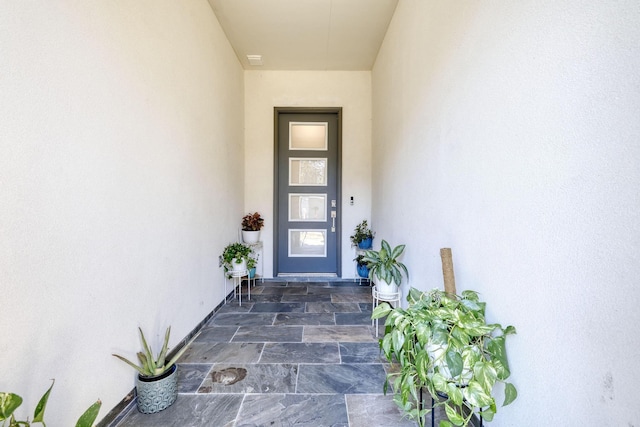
(307, 192)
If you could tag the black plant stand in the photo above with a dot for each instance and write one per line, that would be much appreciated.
(433, 412)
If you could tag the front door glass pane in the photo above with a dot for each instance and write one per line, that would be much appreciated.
(307, 171)
(307, 243)
(307, 207)
(308, 136)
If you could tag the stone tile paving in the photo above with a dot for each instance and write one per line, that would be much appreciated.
(295, 354)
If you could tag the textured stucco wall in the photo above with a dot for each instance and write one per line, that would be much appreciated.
(509, 132)
(121, 180)
(350, 90)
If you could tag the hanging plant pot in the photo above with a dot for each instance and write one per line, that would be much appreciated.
(250, 236)
(366, 243)
(157, 393)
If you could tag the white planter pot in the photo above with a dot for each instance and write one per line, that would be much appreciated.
(238, 267)
(250, 236)
(386, 289)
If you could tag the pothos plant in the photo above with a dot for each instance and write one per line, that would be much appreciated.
(443, 344)
(9, 402)
(235, 251)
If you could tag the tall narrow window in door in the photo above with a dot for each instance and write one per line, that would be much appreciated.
(307, 193)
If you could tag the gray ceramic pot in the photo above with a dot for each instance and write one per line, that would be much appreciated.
(157, 393)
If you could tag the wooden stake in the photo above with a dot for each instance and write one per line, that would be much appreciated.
(447, 271)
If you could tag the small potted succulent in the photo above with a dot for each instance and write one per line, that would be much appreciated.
(385, 270)
(235, 257)
(157, 380)
(252, 263)
(362, 236)
(251, 226)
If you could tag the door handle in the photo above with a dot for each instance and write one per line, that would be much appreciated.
(333, 221)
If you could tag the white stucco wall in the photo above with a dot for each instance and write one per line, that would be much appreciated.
(350, 90)
(121, 180)
(509, 132)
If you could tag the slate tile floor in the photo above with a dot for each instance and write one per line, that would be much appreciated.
(310, 356)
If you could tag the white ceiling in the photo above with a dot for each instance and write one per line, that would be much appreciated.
(306, 34)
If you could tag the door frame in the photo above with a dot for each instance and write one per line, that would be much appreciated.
(277, 111)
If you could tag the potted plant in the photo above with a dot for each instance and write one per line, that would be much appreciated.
(252, 263)
(361, 266)
(362, 236)
(157, 379)
(443, 344)
(9, 402)
(251, 226)
(235, 256)
(384, 268)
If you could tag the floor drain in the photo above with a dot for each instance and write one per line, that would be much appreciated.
(229, 376)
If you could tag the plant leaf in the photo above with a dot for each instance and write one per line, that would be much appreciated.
(165, 348)
(454, 393)
(384, 247)
(470, 295)
(90, 415)
(476, 395)
(133, 365)
(498, 353)
(38, 414)
(454, 362)
(485, 374)
(509, 330)
(8, 403)
(487, 414)
(397, 251)
(453, 415)
(381, 311)
(510, 393)
(439, 382)
(149, 361)
(397, 339)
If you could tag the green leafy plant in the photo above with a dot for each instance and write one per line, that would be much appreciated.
(443, 344)
(384, 263)
(9, 402)
(252, 222)
(360, 260)
(252, 261)
(361, 232)
(150, 365)
(235, 251)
